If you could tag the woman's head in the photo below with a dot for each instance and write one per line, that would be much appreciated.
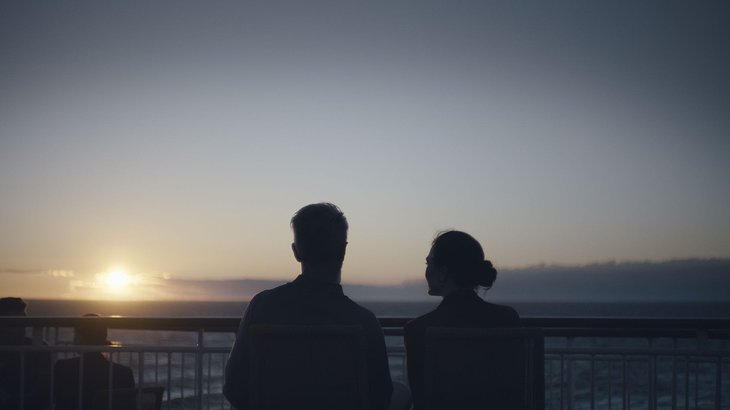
(457, 257)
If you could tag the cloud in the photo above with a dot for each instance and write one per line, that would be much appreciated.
(13, 271)
(56, 273)
(675, 280)
(120, 285)
(60, 273)
(680, 280)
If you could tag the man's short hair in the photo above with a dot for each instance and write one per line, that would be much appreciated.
(320, 233)
(12, 307)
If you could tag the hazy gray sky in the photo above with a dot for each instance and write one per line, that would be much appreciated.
(176, 139)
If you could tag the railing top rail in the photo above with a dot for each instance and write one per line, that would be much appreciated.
(602, 323)
(112, 349)
(222, 324)
(566, 327)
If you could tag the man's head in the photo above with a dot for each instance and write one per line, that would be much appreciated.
(320, 237)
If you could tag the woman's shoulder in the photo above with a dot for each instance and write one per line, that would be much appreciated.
(504, 312)
(420, 321)
(418, 325)
(483, 314)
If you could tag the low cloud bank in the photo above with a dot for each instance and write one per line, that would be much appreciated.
(679, 280)
(687, 280)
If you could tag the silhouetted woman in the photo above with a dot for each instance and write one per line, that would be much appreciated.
(455, 269)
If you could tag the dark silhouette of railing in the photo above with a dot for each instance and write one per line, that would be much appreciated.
(590, 363)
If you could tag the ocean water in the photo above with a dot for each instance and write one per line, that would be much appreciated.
(624, 309)
(691, 383)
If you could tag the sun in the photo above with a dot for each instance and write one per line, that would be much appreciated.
(116, 280)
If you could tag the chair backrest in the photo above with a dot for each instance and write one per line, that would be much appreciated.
(148, 398)
(484, 369)
(322, 367)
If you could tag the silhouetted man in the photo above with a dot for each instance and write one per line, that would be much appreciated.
(95, 371)
(37, 365)
(314, 298)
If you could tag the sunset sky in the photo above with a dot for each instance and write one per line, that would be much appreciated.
(147, 142)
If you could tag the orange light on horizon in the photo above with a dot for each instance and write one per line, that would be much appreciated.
(115, 281)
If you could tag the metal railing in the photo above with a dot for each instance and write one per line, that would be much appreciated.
(589, 363)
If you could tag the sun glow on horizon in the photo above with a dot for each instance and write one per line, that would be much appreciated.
(119, 283)
(116, 280)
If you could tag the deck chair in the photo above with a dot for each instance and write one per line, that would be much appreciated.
(498, 369)
(303, 367)
(148, 398)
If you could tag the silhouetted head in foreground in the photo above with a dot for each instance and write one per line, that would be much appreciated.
(320, 240)
(91, 332)
(456, 261)
(12, 307)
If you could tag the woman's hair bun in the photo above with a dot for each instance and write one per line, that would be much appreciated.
(487, 274)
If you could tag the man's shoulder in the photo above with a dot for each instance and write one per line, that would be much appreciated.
(270, 297)
(306, 301)
(360, 310)
(273, 292)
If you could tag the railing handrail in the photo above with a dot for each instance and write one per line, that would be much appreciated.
(552, 326)
(66, 348)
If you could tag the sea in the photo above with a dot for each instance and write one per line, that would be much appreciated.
(688, 384)
(619, 309)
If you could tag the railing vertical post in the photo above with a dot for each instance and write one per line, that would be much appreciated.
(697, 382)
(81, 381)
(199, 371)
(702, 336)
(37, 340)
(157, 367)
(37, 335)
(593, 382)
(560, 381)
(51, 376)
(140, 372)
(182, 377)
(674, 375)
(210, 367)
(111, 381)
(686, 382)
(610, 382)
(718, 383)
(625, 383)
(549, 382)
(562, 385)
(570, 375)
(22, 380)
(169, 379)
(223, 366)
(652, 377)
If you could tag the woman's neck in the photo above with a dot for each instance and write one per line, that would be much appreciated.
(450, 287)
